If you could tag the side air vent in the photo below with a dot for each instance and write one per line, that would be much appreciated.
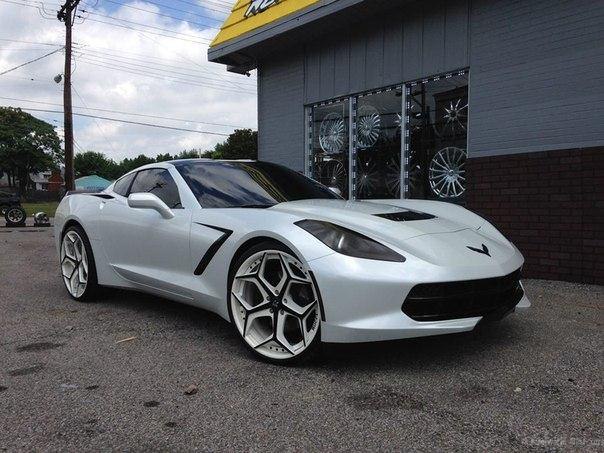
(406, 216)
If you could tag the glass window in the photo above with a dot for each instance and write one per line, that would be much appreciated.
(378, 144)
(329, 145)
(436, 151)
(159, 182)
(248, 184)
(122, 185)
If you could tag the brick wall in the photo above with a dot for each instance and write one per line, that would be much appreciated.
(550, 204)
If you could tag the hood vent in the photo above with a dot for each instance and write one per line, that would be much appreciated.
(406, 216)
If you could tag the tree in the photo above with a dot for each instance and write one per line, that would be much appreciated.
(187, 154)
(130, 164)
(241, 144)
(93, 163)
(163, 157)
(27, 145)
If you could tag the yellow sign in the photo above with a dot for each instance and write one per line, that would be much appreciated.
(248, 15)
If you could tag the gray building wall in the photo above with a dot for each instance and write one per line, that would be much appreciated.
(536, 76)
(536, 71)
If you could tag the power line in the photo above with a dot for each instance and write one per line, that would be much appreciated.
(128, 59)
(31, 42)
(149, 66)
(173, 9)
(200, 4)
(144, 34)
(143, 25)
(146, 57)
(168, 15)
(131, 122)
(96, 121)
(234, 126)
(160, 77)
(134, 29)
(30, 61)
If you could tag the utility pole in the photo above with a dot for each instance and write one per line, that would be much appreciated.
(66, 14)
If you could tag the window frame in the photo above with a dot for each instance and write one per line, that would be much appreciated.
(352, 98)
(167, 170)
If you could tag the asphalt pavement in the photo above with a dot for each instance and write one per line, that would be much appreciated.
(181, 380)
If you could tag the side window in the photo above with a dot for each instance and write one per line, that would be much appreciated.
(121, 185)
(158, 182)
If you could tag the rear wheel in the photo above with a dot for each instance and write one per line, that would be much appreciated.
(77, 264)
(274, 304)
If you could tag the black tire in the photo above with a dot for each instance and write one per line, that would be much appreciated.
(312, 350)
(15, 216)
(92, 286)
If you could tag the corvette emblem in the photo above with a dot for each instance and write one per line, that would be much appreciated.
(484, 250)
(259, 6)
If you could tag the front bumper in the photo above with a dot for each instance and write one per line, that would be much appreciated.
(362, 298)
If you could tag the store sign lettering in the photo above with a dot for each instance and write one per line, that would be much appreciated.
(259, 6)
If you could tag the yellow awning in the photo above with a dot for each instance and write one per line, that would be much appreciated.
(248, 15)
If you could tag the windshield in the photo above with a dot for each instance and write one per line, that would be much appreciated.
(222, 184)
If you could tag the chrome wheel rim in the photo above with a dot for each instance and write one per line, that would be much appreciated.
(74, 264)
(332, 133)
(333, 174)
(275, 304)
(367, 176)
(15, 215)
(368, 126)
(447, 173)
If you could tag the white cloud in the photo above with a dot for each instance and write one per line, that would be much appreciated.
(109, 88)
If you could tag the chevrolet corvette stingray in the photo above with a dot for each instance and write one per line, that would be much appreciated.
(285, 259)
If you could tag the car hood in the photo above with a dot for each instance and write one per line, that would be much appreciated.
(437, 237)
(365, 217)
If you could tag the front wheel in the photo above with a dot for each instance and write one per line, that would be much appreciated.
(274, 304)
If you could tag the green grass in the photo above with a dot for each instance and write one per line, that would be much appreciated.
(49, 207)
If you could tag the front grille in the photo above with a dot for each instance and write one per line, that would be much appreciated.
(490, 297)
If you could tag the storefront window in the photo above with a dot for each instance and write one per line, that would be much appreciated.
(330, 145)
(365, 162)
(377, 146)
(436, 147)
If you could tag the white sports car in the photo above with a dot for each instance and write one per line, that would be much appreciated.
(284, 258)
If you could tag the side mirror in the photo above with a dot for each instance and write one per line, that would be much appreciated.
(145, 200)
(336, 190)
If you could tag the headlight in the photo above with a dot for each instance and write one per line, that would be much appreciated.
(348, 242)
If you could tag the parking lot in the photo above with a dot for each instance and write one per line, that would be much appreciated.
(67, 382)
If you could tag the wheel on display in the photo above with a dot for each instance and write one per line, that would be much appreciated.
(274, 304)
(332, 133)
(333, 174)
(446, 173)
(77, 264)
(368, 126)
(367, 177)
(455, 117)
(15, 216)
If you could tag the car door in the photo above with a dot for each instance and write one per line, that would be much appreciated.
(140, 244)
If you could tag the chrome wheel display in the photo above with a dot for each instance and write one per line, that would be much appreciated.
(368, 126)
(455, 116)
(367, 176)
(446, 173)
(275, 304)
(334, 174)
(393, 177)
(74, 264)
(332, 133)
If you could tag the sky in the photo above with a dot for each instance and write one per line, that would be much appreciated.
(123, 63)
